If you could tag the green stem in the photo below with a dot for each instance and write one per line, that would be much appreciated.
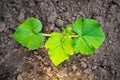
(73, 36)
(46, 34)
(50, 35)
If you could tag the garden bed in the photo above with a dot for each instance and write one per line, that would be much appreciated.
(19, 63)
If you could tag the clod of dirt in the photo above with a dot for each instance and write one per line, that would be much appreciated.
(117, 1)
(56, 29)
(26, 67)
(94, 67)
(52, 17)
(87, 71)
(74, 67)
(21, 16)
(31, 3)
(19, 77)
(67, 78)
(91, 77)
(4, 74)
(83, 64)
(59, 22)
(51, 27)
(68, 16)
(2, 26)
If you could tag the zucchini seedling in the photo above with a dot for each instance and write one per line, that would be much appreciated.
(82, 36)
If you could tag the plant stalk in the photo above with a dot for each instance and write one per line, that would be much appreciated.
(50, 35)
(73, 36)
(46, 34)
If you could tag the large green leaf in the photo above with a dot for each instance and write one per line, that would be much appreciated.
(90, 35)
(28, 34)
(59, 47)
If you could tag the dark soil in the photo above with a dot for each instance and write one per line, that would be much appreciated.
(18, 63)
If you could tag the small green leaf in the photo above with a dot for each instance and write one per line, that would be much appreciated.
(59, 47)
(68, 30)
(28, 34)
(90, 35)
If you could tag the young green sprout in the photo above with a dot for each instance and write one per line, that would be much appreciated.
(82, 36)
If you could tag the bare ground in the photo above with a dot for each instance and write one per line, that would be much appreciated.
(18, 63)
